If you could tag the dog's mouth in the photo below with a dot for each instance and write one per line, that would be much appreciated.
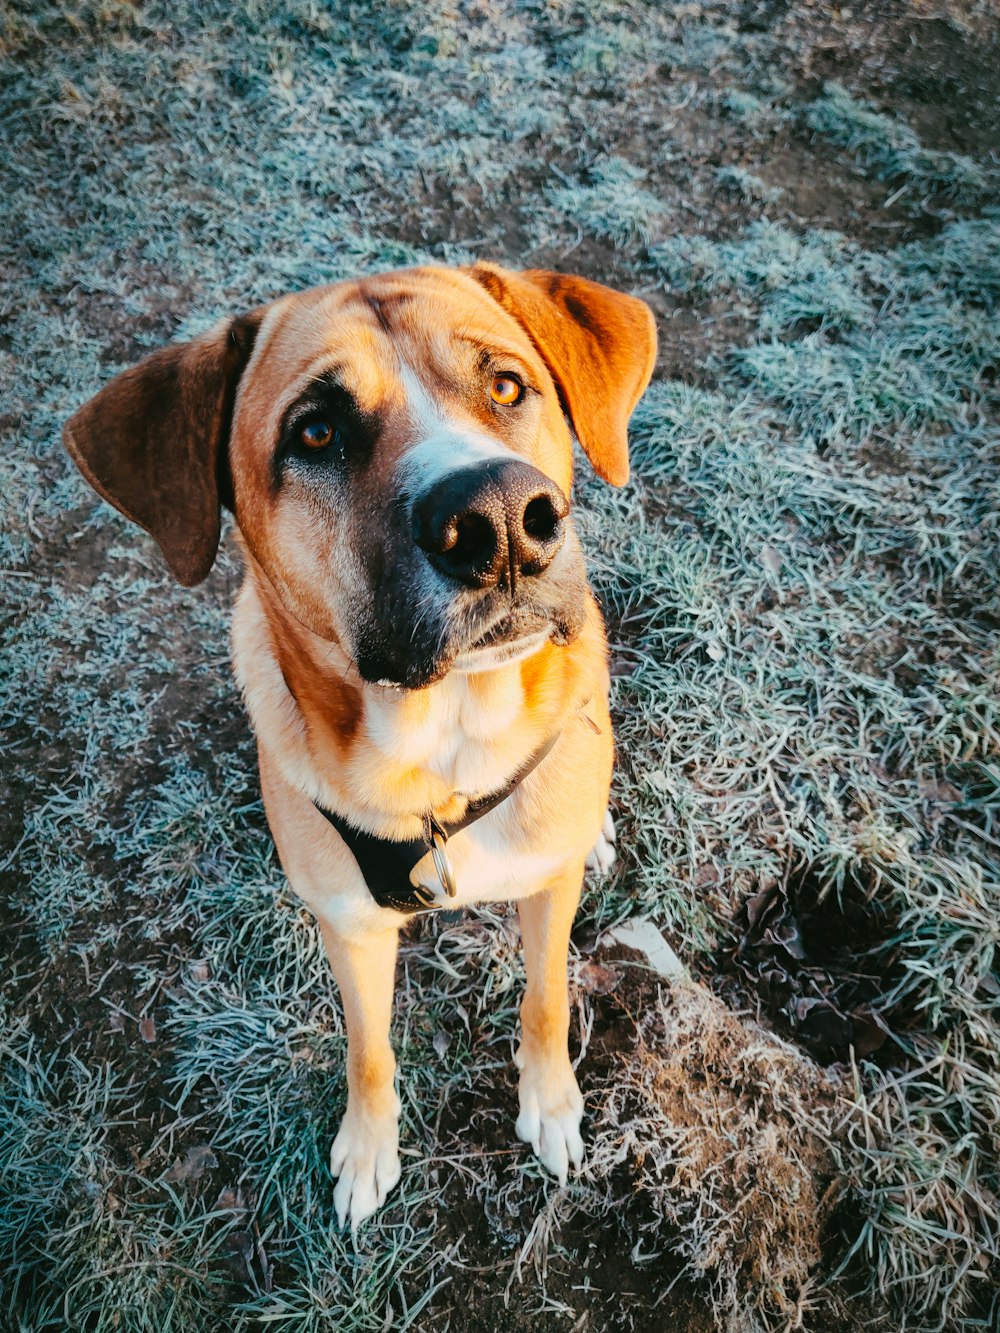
(490, 652)
(466, 631)
(512, 638)
(517, 634)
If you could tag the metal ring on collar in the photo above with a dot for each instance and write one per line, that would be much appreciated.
(442, 863)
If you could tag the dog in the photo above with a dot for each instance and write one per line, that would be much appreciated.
(422, 659)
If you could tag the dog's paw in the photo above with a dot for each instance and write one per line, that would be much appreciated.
(365, 1157)
(602, 856)
(551, 1108)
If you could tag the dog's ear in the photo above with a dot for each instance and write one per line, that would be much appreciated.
(599, 346)
(154, 442)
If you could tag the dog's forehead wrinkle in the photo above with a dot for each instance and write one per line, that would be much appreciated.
(493, 347)
(385, 304)
(327, 338)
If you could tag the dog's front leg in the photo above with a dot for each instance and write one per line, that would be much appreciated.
(365, 1153)
(551, 1106)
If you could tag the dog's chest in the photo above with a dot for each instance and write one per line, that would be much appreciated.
(457, 734)
(467, 740)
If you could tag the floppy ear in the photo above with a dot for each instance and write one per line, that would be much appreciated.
(599, 346)
(154, 442)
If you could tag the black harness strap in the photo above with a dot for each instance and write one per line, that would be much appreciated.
(386, 864)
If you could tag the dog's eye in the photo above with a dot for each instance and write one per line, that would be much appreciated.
(316, 434)
(505, 390)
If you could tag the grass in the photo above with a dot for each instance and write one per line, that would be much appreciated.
(891, 149)
(800, 586)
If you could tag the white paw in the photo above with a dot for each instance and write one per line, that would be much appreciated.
(602, 856)
(365, 1155)
(551, 1109)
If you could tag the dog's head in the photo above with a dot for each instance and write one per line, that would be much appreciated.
(395, 453)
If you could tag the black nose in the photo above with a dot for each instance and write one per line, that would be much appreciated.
(491, 523)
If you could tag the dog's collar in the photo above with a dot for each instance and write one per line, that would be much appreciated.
(386, 864)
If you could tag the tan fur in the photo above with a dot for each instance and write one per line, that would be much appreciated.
(406, 346)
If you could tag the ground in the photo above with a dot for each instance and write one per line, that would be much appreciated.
(800, 586)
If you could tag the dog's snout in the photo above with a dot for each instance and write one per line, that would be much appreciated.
(494, 522)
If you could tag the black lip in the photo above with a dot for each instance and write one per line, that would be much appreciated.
(418, 674)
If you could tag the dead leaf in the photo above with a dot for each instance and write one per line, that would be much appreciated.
(242, 1249)
(868, 1036)
(147, 1028)
(194, 1163)
(598, 979)
(770, 558)
(640, 934)
(932, 789)
(238, 1247)
(820, 1024)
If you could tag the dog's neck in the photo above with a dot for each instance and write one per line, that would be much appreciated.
(385, 755)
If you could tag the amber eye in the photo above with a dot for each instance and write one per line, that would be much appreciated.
(316, 434)
(505, 390)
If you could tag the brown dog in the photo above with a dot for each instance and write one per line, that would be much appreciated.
(422, 660)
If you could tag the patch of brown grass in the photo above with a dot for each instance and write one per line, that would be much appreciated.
(712, 1145)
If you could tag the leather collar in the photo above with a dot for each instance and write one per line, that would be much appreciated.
(386, 864)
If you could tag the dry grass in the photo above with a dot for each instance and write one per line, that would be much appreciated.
(714, 1142)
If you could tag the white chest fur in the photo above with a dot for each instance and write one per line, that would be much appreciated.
(458, 736)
